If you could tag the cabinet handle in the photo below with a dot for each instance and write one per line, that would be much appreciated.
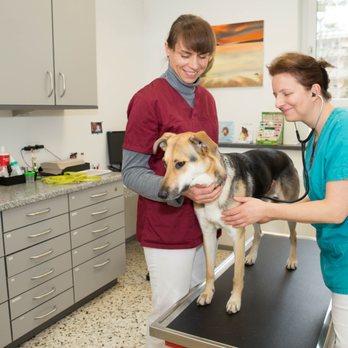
(40, 233)
(99, 194)
(49, 73)
(102, 264)
(47, 314)
(39, 212)
(100, 212)
(101, 247)
(101, 229)
(41, 255)
(43, 275)
(39, 297)
(64, 85)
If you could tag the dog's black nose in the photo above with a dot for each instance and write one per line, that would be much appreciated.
(163, 193)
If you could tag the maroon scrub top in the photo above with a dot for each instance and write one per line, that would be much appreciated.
(155, 109)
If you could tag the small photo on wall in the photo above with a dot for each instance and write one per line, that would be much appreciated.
(244, 133)
(96, 127)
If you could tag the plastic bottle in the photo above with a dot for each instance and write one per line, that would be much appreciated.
(16, 169)
(4, 162)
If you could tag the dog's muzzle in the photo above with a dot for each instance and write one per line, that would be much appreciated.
(163, 193)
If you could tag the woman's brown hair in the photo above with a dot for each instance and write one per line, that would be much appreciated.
(305, 69)
(196, 34)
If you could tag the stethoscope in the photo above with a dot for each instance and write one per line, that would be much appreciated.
(303, 151)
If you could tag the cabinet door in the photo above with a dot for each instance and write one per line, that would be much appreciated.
(75, 52)
(26, 59)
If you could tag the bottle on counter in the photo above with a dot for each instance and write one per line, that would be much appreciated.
(4, 162)
(15, 167)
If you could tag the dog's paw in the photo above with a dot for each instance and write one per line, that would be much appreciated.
(250, 259)
(291, 265)
(205, 298)
(233, 305)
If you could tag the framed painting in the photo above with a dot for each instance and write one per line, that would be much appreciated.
(238, 60)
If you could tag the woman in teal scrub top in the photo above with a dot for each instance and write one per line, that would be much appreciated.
(300, 87)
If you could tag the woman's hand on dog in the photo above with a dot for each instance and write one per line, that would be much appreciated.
(203, 194)
(250, 211)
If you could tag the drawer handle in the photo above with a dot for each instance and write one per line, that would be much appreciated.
(101, 247)
(102, 264)
(101, 229)
(47, 314)
(40, 233)
(44, 295)
(100, 212)
(41, 255)
(39, 212)
(96, 195)
(43, 275)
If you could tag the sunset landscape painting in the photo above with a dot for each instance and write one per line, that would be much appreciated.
(239, 58)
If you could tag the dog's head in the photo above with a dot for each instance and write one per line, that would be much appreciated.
(190, 159)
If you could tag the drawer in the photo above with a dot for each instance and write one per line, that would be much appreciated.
(42, 313)
(42, 293)
(99, 271)
(31, 213)
(97, 247)
(5, 330)
(95, 195)
(97, 229)
(39, 232)
(37, 254)
(96, 212)
(39, 274)
(3, 287)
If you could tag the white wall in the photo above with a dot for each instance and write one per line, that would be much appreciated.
(130, 39)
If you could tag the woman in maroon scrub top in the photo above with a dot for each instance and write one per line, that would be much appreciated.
(175, 102)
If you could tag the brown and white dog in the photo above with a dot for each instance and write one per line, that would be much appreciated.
(193, 158)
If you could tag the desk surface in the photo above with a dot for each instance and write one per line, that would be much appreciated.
(280, 308)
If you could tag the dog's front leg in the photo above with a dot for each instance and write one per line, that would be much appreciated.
(292, 260)
(209, 241)
(234, 303)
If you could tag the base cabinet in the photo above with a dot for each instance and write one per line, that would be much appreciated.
(57, 254)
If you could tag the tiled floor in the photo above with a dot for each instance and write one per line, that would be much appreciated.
(116, 318)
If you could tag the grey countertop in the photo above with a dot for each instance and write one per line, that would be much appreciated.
(22, 194)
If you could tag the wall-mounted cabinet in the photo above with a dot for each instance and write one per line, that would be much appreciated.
(48, 54)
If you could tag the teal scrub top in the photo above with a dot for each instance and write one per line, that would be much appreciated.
(330, 163)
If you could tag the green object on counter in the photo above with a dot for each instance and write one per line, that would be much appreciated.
(70, 178)
(29, 177)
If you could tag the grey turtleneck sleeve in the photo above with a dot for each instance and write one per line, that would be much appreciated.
(136, 172)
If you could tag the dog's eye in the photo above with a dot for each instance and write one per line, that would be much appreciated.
(178, 165)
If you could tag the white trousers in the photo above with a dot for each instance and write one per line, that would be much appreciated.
(339, 313)
(173, 272)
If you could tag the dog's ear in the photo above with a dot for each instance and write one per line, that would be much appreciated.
(162, 142)
(202, 142)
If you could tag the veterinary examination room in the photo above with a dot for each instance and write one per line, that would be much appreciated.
(174, 173)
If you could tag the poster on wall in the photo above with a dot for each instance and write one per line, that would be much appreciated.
(238, 61)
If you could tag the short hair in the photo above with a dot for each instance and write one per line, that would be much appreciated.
(305, 69)
(196, 34)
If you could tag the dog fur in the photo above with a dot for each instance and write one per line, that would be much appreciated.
(193, 158)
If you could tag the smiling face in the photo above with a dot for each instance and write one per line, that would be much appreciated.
(291, 98)
(187, 64)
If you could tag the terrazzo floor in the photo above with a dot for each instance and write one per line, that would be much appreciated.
(114, 319)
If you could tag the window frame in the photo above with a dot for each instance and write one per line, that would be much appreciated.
(308, 32)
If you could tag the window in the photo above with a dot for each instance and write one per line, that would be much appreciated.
(325, 35)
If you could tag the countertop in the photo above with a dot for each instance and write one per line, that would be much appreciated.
(22, 194)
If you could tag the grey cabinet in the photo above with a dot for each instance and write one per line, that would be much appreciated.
(55, 253)
(5, 330)
(98, 237)
(48, 55)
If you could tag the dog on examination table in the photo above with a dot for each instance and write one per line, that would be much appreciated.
(193, 158)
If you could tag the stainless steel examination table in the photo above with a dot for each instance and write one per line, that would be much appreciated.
(280, 308)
